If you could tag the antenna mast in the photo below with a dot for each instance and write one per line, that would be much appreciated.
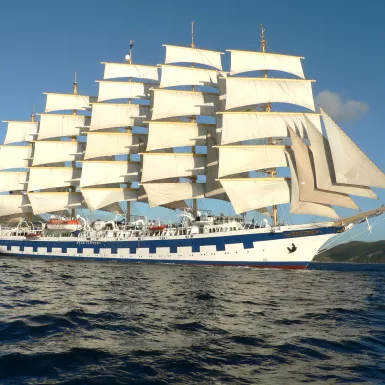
(33, 115)
(132, 42)
(192, 34)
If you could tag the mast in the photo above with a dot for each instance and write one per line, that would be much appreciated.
(108, 171)
(193, 119)
(267, 108)
(163, 164)
(33, 120)
(129, 130)
(73, 189)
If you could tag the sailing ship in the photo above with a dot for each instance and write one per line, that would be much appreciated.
(196, 132)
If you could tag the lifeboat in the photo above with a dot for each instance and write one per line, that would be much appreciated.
(64, 224)
(157, 227)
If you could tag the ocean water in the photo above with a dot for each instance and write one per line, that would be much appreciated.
(113, 323)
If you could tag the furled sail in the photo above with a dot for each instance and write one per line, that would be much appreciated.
(171, 165)
(109, 115)
(109, 90)
(302, 207)
(126, 70)
(248, 91)
(351, 165)
(241, 158)
(324, 168)
(48, 152)
(20, 131)
(59, 125)
(171, 103)
(187, 76)
(163, 193)
(14, 156)
(102, 172)
(307, 186)
(176, 134)
(245, 61)
(242, 126)
(41, 178)
(13, 180)
(255, 193)
(60, 102)
(96, 198)
(113, 143)
(177, 54)
(48, 202)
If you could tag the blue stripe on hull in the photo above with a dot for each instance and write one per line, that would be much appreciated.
(195, 242)
(282, 265)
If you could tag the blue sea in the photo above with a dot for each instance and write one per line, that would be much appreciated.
(79, 323)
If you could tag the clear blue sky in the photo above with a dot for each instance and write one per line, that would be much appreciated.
(43, 42)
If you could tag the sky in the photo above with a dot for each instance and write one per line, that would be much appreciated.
(43, 42)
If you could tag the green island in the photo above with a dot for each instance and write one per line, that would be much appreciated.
(354, 252)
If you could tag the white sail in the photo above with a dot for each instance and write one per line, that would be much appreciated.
(102, 172)
(109, 90)
(48, 202)
(177, 54)
(255, 193)
(307, 185)
(113, 208)
(240, 126)
(237, 159)
(109, 115)
(324, 169)
(168, 103)
(51, 177)
(97, 198)
(302, 207)
(187, 76)
(58, 125)
(48, 152)
(351, 165)
(245, 61)
(247, 91)
(162, 193)
(126, 70)
(175, 134)
(20, 131)
(143, 198)
(14, 204)
(171, 165)
(112, 143)
(13, 180)
(14, 156)
(61, 102)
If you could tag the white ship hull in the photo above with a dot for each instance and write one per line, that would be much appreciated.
(260, 247)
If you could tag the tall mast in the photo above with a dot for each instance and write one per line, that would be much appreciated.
(73, 189)
(129, 130)
(33, 119)
(267, 108)
(193, 119)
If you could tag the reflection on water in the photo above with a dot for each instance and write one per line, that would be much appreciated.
(111, 323)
